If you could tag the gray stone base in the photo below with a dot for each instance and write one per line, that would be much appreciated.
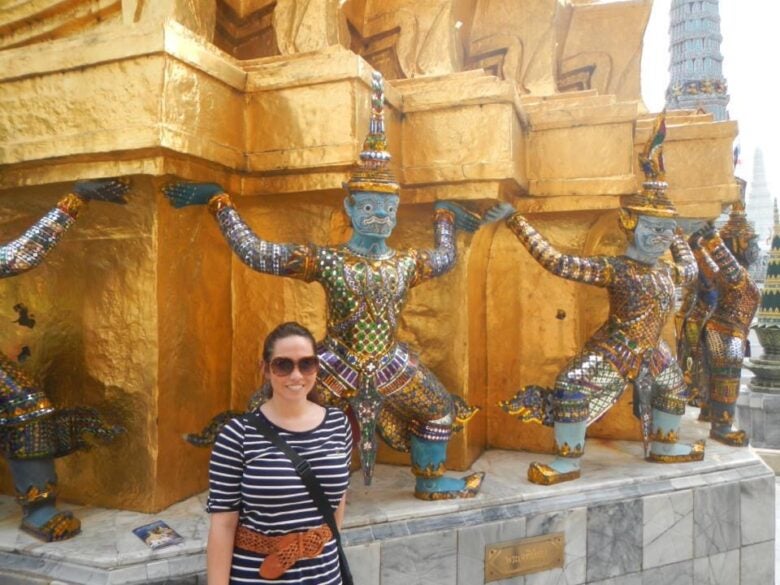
(771, 457)
(758, 414)
(626, 522)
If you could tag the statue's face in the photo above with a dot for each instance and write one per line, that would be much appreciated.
(372, 214)
(752, 252)
(653, 235)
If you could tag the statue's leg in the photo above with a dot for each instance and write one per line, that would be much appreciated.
(692, 361)
(588, 387)
(427, 405)
(726, 352)
(35, 481)
(32, 434)
(669, 399)
(394, 428)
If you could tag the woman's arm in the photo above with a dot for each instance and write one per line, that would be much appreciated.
(219, 549)
(339, 513)
(226, 470)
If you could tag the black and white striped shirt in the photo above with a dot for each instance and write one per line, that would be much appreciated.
(247, 474)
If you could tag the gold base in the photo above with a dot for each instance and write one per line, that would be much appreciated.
(471, 489)
(734, 438)
(696, 454)
(542, 474)
(61, 526)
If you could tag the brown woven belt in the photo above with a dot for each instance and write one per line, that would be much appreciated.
(282, 552)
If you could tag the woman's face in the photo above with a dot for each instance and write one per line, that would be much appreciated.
(295, 355)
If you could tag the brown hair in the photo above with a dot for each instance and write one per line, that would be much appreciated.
(288, 329)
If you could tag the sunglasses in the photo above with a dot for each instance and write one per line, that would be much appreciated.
(282, 366)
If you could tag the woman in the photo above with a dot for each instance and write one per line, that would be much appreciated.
(255, 492)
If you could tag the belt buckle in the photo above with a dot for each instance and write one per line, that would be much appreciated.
(272, 566)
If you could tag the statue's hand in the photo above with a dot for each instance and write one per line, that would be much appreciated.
(464, 219)
(706, 232)
(182, 194)
(690, 226)
(110, 190)
(498, 212)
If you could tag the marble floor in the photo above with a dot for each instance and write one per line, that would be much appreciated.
(109, 544)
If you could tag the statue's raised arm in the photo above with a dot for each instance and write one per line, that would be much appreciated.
(278, 259)
(28, 250)
(686, 268)
(439, 260)
(595, 270)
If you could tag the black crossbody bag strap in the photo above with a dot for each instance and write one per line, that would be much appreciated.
(303, 469)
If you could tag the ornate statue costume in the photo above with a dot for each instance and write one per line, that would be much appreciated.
(699, 299)
(363, 365)
(723, 262)
(628, 348)
(32, 431)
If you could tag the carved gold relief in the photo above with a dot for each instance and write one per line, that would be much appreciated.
(600, 47)
(263, 28)
(26, 23)
(515, 40)
(408, 38)
(246, 35)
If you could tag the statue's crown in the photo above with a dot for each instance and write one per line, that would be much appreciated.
(373, 172)
(738, 231)
(652, 199)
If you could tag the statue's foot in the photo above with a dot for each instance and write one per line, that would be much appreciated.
(730, 436)
(558, 471)
(704, 413)
(48, 524)
(676, 452)
(448, 488)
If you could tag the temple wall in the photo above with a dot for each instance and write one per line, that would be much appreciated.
(144, 312)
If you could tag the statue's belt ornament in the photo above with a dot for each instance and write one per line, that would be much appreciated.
(341, 369)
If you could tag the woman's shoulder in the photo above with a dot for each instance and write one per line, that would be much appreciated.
(335, 417)
(334, 413)
(235, 427)
(337, 420)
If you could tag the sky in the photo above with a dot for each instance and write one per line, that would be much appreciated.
(750, 48)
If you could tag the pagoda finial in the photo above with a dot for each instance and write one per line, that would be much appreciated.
(696, 63)
(652, 199)
(373, 173)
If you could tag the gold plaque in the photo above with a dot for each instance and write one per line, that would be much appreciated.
(524, 556)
